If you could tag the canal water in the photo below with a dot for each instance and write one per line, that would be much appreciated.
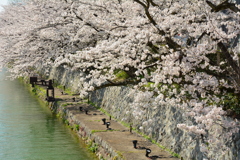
(29, 131)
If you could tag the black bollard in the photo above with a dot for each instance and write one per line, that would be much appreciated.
(108, 124)
(130, 129)
(110, 117)
(81, 109)
(148, 151)
(104, 121)
(135, 144)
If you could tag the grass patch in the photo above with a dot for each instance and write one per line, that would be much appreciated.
(76, 127)
(39, 91)
(95, 131)
(94, 120)
(105, 112)
(120, 155)
(67, 104)
(66, 90)
(93, 147)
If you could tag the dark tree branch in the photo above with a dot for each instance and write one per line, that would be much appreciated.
(153, 4)
(141, 3)
(99, 6)
(51, 26)
(112, 84)
(199, 38)
(118, 27)
(87, 23)
(169, 41)
(173, 45)
(229, 58)
(222, 6)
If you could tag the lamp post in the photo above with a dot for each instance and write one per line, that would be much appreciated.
(104, 121)
(50, 92)
(148, 151)
(130, 128)
(81, 108)
(135, 144)
(108, 124)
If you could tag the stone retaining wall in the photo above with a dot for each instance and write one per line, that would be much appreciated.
(117, 101)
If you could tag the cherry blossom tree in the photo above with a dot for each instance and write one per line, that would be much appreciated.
(201, 63)
(183, 53)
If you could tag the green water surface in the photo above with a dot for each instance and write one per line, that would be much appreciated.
(29, 131)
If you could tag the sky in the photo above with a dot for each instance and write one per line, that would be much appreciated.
(3, 2)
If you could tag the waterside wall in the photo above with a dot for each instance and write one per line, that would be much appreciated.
(94, 143)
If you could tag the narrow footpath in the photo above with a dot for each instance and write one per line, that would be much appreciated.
(113, 138)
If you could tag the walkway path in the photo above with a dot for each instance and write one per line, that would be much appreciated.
(120, 138)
